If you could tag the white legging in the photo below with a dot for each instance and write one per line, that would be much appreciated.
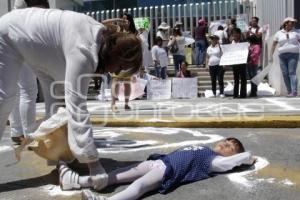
(147, 176)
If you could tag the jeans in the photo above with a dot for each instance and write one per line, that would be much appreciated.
(288, 65)
(252, 72)
(178, 60)
(215, 72)
(240, 72)
(161, 72)
(200, 51)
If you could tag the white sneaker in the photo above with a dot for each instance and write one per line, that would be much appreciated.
(68, 179)
(88, 195)
(222, 96)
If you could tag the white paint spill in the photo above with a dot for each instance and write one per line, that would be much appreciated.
(287, 182)
(152, 144)
(6, 148)
(282, 104)
(54, 190)
(240, 177)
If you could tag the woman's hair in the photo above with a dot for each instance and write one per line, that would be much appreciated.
(237, 30)
(132, 28)
(238, 145)
(34, 3)
(124, 48)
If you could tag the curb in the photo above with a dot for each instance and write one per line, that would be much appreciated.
(203, 122)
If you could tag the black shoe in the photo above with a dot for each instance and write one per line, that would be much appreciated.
(127, 107)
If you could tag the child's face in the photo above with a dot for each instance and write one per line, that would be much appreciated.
(225, 148)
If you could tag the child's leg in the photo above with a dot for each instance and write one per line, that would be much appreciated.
(150, 172)
(151, 181)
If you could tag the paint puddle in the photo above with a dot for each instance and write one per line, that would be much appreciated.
(140, 139)
(54, 190)
(262, 168)
(241, 177)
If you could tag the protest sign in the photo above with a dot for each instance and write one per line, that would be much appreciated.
(235, 54)
(213, 27)
(159, 89)
(142, 22)
(185, 88)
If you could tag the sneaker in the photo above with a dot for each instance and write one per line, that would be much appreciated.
(68, 179)
(100, 181)
(89, 195)
(290, 95)
(222, 96)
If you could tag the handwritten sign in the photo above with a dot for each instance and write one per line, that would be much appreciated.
(159, 89)
(142, 22)
(235, 54)
(184, 88)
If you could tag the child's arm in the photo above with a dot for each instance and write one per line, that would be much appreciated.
(223, 164)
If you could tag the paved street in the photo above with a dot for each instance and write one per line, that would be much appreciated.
(276, 175)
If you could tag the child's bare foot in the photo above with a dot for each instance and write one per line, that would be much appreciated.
(114, 108)
(88, 195)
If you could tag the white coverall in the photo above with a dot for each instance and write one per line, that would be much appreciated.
(22, 117)
(59, 46)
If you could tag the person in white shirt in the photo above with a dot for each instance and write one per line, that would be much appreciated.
(178, 56)
(164, 172)
(254, 29)
(163, 32)
(221, 34)
(64, 47)
(22, 117)
(160, 58)
(287, 40)
(214, 53)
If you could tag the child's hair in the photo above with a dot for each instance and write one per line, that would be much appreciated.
(125, 48)
(157, 40)
(253, 39)
(237, 30)
(238, 145)
(186, 63)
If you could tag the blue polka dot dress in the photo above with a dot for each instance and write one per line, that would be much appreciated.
(184, 166)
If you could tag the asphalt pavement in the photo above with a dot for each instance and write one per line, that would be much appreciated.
(276, 175)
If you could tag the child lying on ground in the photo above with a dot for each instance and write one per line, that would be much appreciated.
(163, 172)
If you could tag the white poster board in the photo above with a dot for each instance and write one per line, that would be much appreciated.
(213, 27)
(234, 54)
(185, 88)
(159, 89)
(137, 89)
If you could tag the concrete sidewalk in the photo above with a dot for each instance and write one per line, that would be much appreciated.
(276, 112)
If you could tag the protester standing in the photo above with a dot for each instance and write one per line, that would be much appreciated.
(126, 80)
(214, 53)
(160, 58)
(288, 40)
(163, 32)
(239, 71)
(177, 41)
(253, 60)
(200, 42)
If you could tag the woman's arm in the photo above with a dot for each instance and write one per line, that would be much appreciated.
(223, 164)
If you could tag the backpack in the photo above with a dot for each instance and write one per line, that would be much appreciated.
(174, 47)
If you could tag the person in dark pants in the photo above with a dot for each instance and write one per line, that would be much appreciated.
(239, 71)
(214, 53)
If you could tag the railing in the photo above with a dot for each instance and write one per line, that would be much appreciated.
(188, 14)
